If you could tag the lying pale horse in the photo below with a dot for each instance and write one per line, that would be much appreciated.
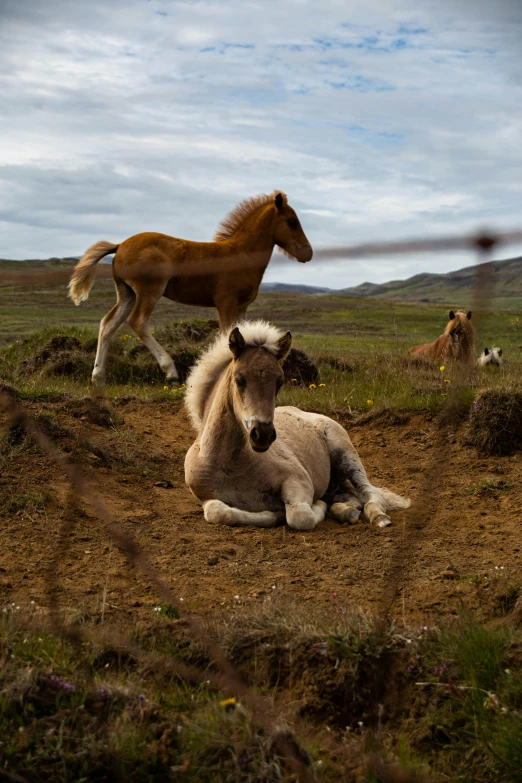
(457, 342)
(255, 464)
(493, 357)
(225, 273)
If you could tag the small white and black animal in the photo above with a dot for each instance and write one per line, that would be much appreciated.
(491, 357)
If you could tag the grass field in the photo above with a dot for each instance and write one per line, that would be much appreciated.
(358, 344)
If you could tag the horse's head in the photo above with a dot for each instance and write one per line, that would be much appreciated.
(461, 333)
(288, 234)
(493, 357)
(256, 378)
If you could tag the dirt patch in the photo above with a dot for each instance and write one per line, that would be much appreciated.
(137, 467)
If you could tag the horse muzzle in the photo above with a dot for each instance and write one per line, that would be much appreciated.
(262, 435)
(303, 253)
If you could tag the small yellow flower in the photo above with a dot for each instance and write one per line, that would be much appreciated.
(447, 380)
(442, 368)
(369, 402)
(165, 388)
(228, 702)
(313, 386)
(321, 385)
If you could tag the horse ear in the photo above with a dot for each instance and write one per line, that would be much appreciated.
(236, 342)
(451, 315)
(468, 315)
(284, 346)
(279, 201)
(486, 351)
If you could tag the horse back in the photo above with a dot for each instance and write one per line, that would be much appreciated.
(435, 350)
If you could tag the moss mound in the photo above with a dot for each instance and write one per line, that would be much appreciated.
(299, 368)
(70, 353)
(495, 424)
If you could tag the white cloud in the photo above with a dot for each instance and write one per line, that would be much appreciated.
(384, 120)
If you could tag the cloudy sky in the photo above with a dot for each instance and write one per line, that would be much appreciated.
(382, 120)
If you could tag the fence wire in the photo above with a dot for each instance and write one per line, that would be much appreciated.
(227, 677)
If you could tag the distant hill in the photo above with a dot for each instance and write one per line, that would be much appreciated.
(451, 287)
(291, 288)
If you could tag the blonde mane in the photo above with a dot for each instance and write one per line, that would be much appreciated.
(230, 224)
(461, 320)
(210, 366)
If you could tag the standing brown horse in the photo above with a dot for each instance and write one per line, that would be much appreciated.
(225, 273)
(457, 342)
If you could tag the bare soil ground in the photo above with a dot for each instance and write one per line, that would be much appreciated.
(458, 546)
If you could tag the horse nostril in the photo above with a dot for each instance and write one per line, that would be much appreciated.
(262, 435)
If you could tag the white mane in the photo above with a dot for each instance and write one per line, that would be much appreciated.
(204, 374)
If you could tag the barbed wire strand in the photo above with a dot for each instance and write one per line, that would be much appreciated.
(479, 240)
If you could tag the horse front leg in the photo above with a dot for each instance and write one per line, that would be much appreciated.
(220, 513)
(301, 512)
(228, 312)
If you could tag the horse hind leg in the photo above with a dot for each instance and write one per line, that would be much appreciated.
(108, 325)
(139, 322)
(348, 466)
(347, 507)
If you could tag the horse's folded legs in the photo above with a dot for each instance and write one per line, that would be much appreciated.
(217, 512)
(375, 514)
(303, 516)
(347, 513)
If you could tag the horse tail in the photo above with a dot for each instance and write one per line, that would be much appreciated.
(83, 276)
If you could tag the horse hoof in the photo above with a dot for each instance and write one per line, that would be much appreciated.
(351, 517)
(382, 520)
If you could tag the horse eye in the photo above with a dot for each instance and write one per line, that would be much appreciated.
(240, 382)
(293, 223)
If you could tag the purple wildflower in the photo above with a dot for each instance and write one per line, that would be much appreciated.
(141, 697)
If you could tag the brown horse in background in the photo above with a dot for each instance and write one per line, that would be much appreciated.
(150, 265)
(457, 342)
